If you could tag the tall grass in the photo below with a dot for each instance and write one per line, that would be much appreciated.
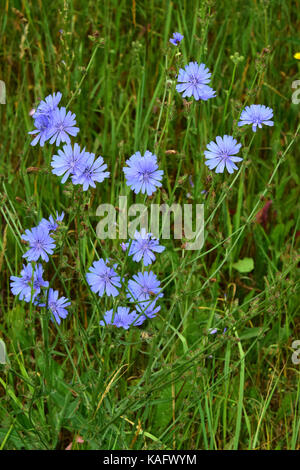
(168, 384)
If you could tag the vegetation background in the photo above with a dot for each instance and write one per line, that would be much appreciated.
(169, 384)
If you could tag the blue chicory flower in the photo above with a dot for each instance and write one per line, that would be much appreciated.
(122, 318)
(142, 174)
(191, 181)
(221, 154)
(48, 105)
(52, 224)
(192, 81)
(62, 125)
(147, 308)
(30, 282)
(57, 306)
(43, 119)
(213, 331)
(90, 171)
(43, 124)
(103, 279)
(144, 289)
(68, 161)
(52, 122)
(176, 39)
(256, 114)
(38, 281)
(124, 246)
(40, 242)
(143, 246)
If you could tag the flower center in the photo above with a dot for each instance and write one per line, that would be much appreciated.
(88, 172)
(194, 80)
(224, 155)
(146, 175)
(144, 245)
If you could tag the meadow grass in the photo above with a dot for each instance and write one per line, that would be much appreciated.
(168, 384)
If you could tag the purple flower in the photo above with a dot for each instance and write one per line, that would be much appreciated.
(220, 154)
(56, 305)
(90, 171)
(139, 318)
(143, 174)
(29, 284)
(48, 105)
(213, 331)
(256, 114)
(38, 280)
(143, 286)
(68, 161)
(40, 242)
(107, 317)
(124, 246)
(144, 290)
(192, 81)
(121, 319)
(143, 246)
(148, 308)
(176, 39)
(62, 125)
(206, 93)
(43, 124)
(101, 278)
(52, 224)
(43, 118)
(52, 122)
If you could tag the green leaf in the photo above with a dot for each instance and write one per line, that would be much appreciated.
(244, 265)
(252, 333)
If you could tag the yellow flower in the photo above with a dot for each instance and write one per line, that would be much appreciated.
(297, 55)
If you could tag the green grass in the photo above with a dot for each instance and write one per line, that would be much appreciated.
(168, 384)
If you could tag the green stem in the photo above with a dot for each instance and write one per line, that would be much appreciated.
(228, 95)
(241, 394)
